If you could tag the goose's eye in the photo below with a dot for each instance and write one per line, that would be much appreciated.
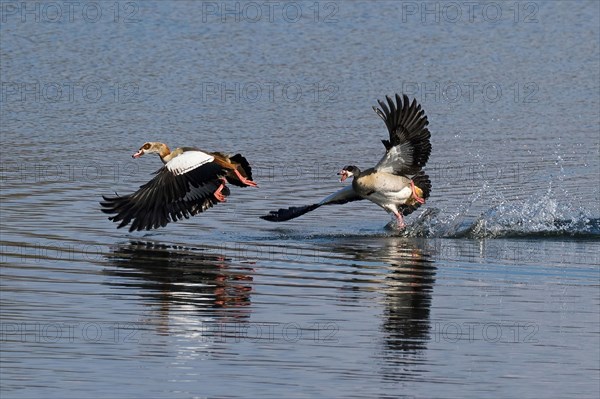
(146, 146)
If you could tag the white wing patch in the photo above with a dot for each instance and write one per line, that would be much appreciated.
(396, 159)
(187, 161)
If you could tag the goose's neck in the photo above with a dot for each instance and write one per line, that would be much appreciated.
(165, 153)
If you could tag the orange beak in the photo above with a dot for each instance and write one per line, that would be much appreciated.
(343, 174)
(138, 154)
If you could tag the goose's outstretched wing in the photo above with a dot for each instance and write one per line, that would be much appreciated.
(346, 194)
(408, 149)
(179, 190)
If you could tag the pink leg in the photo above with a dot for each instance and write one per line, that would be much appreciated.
(220, 197)
(244, 180)
(414, 193)
(400, 219)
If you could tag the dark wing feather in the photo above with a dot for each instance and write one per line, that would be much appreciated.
(283, 214)
(246, 170)
(408, 149)
(347, 194)
(167, 198)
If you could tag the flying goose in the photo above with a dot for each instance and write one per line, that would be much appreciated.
(190, 182)
(397, 183)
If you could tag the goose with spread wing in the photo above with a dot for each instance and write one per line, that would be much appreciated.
(397, 183)
(190, 182)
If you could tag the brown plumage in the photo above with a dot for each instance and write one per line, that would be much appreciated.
(190, 182)
(397, 183)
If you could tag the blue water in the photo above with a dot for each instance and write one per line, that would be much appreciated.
(491, 291)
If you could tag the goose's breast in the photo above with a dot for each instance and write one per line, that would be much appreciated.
(381, 182)
(390, 197)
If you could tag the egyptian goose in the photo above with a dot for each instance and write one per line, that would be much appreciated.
(396, 183)
(190, 182)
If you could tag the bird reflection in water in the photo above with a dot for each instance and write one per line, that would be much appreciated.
(194, 283)
(406, 285)
(406, 323)
(408, 289)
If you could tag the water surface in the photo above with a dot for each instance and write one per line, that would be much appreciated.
(492, 291)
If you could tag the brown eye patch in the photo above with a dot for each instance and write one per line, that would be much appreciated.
(146, 146)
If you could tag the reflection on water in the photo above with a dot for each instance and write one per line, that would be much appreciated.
(406, 324)
(402, 270)
(178, 276)
(406, 285)
(408, 299)
(509, 236)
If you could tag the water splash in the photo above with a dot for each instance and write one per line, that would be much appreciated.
(534, 217)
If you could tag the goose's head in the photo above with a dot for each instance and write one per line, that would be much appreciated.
(348, 171)
(151, 148)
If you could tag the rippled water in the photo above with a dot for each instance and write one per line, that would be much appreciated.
(492, 290)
